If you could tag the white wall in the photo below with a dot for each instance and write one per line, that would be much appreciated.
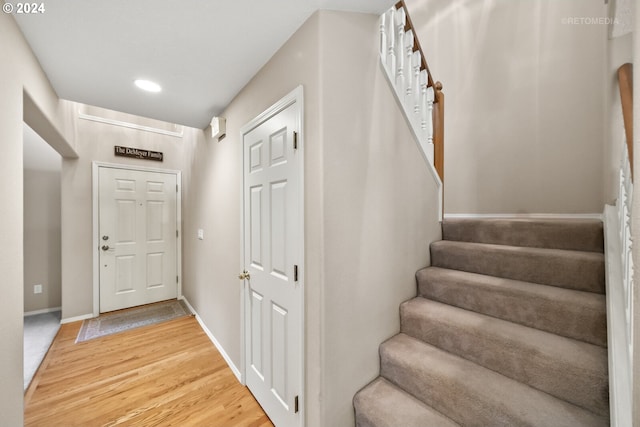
(42, 261)
(20, 73)
(525, 108)
(95, 142)
(370, 209)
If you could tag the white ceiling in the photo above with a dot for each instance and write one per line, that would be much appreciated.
(202, 52)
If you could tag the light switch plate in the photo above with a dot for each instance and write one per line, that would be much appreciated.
(200, 234)
(37, 289)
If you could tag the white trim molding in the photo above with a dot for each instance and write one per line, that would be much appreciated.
(295, 97)
(96, 223)
(42, 311)
(123, 124)
(77, 318)
(595, 216)
(215, 342)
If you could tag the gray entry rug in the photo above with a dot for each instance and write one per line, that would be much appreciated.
(124, 320)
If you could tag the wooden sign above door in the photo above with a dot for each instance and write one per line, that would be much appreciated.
(138, 153)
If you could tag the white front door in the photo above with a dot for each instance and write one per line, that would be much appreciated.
(273, 261)
(137, 237)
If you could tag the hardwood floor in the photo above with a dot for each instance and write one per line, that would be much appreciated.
(168, 374)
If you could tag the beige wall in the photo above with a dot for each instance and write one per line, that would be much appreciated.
(525, 108)
(213, 177)
(370, 209)
(380, 210)
(95, 142)
(42, 166)
(20, 72)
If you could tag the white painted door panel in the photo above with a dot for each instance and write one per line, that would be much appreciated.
(272, 248)
(138, 242)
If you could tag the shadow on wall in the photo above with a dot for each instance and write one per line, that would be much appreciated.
(42, 219)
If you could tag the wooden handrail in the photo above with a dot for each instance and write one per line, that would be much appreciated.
(438, 96)
(625, 79)
(416, 43)
(438, 130)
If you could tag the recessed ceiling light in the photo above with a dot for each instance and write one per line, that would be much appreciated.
(147, 85)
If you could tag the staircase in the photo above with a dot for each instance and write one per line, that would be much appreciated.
(509, 329)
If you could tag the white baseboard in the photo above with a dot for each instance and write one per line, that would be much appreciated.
(215, 342)
(596, 216)
(44, 310)
(77, 318)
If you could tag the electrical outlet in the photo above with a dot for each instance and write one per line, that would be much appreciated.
(37, 289)
(200, 234)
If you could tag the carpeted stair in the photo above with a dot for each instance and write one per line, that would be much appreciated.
(508, 329)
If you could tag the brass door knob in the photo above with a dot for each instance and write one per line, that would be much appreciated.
(244, 275)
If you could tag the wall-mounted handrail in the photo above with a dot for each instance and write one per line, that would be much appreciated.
(625, 79)
(419, 94)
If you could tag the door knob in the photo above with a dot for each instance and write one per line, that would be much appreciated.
(105, 247)
(244, 275)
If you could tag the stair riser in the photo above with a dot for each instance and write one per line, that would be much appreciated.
(474, 396)
(381, 404)
(567, 369)
(573, 270)
(568, 313)
(578, 235)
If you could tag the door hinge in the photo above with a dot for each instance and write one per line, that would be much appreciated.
(176, 279)
(295, 273)
(176, 188)
(295, 140)
(295, 405)
(176, 233)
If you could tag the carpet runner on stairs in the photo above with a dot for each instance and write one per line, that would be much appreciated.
(508, 329)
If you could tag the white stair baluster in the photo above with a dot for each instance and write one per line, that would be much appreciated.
(410, 101)
(423, 111)
(427, 117)
(408, 47)
(391, 44)
(400, 22)
(383, 38)
(417, 58)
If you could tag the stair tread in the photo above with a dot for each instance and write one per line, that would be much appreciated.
(566, 368)
(567, 312)
(382, 404)
(473, 395)
(556, 267)
(572, 234)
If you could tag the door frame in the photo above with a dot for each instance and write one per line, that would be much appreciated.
(95, 195)
(293, 97)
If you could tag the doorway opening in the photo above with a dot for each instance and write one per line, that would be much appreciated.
(42, 168)
(136, 236)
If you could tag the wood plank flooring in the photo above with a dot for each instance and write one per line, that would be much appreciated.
(168, 374)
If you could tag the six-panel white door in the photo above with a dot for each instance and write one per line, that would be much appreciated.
(273, 309)
(138, 238)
